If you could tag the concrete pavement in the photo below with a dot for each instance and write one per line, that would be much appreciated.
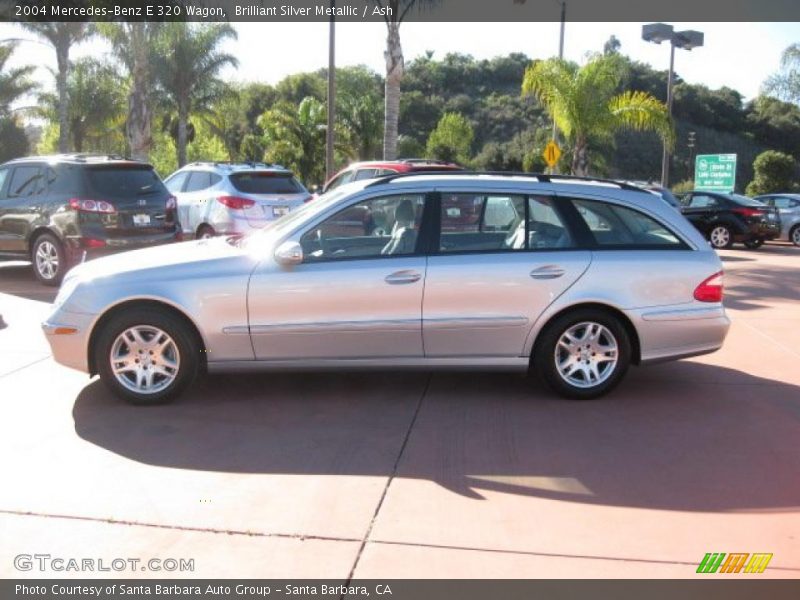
(415, 475)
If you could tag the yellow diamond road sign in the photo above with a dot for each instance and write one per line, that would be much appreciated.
(551, 153)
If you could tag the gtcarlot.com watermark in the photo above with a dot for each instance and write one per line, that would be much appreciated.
(59, 564)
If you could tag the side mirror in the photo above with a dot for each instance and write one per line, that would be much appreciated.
(289, 254)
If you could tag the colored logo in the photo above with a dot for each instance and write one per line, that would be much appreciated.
(741, 562)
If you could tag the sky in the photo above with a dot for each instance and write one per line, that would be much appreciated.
(737, 55)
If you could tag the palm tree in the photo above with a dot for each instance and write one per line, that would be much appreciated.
(14, 83)
(395, 68)
(134, 43)
(62, 36)
(585, 104)
(188, 71)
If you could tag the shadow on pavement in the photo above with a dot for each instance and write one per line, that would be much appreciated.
(17, 278)
(671, 437)
(760, 286)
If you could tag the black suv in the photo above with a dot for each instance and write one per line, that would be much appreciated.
(59, 210)
(728, 218)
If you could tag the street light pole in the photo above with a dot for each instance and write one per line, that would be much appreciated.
(329, 134)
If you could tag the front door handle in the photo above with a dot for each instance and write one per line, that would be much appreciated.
(401, 277)
(547, 272)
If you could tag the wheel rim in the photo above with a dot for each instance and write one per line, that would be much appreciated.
(720, 237)
(586, 354)
(144, 359)
(206, 234)
(46, 259)
(796, 236)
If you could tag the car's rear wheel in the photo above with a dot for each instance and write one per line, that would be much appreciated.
(720, 237)
(754, 244)
(794, 235)
(583, 354)
(49, 259)
(205, 232)
(147, 356)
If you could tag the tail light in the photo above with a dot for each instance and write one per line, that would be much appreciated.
(710, 290)
(94, 206)
(92, 243)
(236, 203)
(749, 212)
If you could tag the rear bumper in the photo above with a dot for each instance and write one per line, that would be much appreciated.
(80, 248)
(762, 231)
(670, 333)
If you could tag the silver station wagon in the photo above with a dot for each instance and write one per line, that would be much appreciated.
(571, 279)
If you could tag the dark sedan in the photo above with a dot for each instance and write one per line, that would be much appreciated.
(726, 219)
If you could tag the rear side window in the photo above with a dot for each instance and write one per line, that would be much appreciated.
(198, 181)
(365, 174)
(479, 222)
(124, 182)
(266, 183)
(779, 202)
(617, 226)
(3, 175)
(25, 181)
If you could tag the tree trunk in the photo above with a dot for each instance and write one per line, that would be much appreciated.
(395, 70)
(62, 58)
(580, 157)
(138, 128)
(183, 121)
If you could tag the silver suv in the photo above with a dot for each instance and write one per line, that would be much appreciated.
(788, 206)
(572, 279)
(233, 198)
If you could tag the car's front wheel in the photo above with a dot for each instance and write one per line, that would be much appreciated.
(147, 356)
(583, 354)
(49, 259)
(720, 237)
(794, 235)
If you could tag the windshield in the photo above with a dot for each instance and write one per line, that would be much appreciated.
(278, 226)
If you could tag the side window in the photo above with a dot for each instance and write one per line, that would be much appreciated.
(3, 176)
(175, 183)
(345, 177)
(384, 226)
(703, 201)
(25, 181)
(546, 230)
(614, 226)
(365, 174)
(478, 222)
(214, 179)
(198, 181)
(382, 172)
(783, 202)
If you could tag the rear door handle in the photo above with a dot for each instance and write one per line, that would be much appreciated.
(401, 277)
(547, 272)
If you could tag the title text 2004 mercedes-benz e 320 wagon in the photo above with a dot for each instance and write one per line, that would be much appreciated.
(573, 279)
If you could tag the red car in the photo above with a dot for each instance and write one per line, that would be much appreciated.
(377, 168)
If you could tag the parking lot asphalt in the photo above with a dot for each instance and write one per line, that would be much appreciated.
(415, 475)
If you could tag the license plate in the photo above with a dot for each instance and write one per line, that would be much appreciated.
(141, 220)
(279, 211)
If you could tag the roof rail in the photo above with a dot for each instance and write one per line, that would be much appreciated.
(424, 161)
(236, 163)
(541, 177)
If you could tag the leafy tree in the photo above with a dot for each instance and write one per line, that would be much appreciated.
(295, 137)
(295, 88)
(14, 83)
(62, 36)
(359, 109)
(188, 71)
(612, 45)
(775, 124)
(452, 139)
(583, 102)
(15, 142)
(786, 83)
(774, 172)
(97, 105)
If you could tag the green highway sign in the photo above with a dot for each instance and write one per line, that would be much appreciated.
(715, 172)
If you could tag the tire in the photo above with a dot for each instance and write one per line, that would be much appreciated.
(49, 259)
(754, 244)
(205, 232)
(577, 384)
(168, 371)
(720, 237)
(794, 235)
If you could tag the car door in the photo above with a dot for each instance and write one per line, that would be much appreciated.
(19, 206)
(357, 293)
(194, 203)
(498, 261)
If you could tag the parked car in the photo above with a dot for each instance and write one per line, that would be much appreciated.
(376, 168)
(59, 210)
(729, 218)
(788, 206)
(573, 280)
(233, 198)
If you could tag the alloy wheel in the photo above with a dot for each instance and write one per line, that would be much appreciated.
(586, 354)
(720, 237)
(46, 259)
(144, 359)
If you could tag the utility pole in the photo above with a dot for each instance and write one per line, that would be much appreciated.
(329, 133)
